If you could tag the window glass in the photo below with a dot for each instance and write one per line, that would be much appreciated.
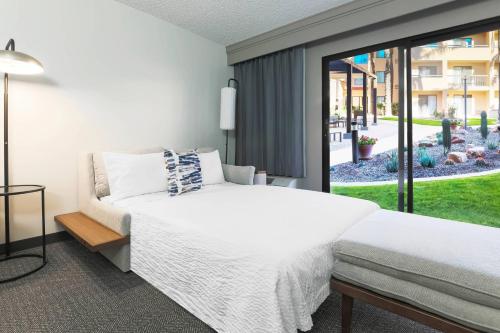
(358, 81)
(427, 70)
(357, 102)
(463, 70)
(460, 42)
(361, 59)
(427, 105)
(380, 77)
(380, 99)
(381, 54)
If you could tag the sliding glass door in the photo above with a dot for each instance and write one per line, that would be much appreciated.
(415, 127)
(456, 160)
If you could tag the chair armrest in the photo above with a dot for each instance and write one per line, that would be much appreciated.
(242, 175)
(115, 218)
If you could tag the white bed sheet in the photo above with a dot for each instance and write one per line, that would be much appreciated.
(241, 258)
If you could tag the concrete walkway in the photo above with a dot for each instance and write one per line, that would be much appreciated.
(387, 134)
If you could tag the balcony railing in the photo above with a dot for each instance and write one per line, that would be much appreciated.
(473, 81)
(454, 46)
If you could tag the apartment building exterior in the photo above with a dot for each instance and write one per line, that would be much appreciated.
(440, 73)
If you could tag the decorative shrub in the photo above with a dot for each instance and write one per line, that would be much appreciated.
(381, 106)
(439, 137)
(425, 160)
(438, 114)
(492, 145)
(455, 122)
(484, 125)
(449, 162)
(392, 164)
(481, 162)
(366, 140)
(446, 135)
(452, 110)
(395, 109)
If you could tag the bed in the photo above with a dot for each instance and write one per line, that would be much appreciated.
(262, 267)
(261, 258)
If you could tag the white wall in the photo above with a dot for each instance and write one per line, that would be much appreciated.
(115, 78)
(401, 28)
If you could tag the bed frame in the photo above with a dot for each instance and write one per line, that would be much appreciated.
(350, 292)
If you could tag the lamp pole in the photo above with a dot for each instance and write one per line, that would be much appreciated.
(465, 102)
(11, 45)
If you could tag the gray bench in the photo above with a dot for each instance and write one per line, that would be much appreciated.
(445, 274)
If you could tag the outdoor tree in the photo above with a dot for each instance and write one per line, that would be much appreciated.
(388, 78)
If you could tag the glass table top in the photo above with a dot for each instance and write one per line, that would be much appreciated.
(19, 189)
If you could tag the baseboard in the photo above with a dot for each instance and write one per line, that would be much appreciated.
(29, 243)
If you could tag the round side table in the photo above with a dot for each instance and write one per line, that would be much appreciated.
(7, 192)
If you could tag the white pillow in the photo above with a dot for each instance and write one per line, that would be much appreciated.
(131, 174)
(211, 168)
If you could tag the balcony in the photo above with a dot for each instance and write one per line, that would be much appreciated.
(474, 82)
(428, 82)
(452, 53)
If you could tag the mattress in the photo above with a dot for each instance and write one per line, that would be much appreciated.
(242, 258)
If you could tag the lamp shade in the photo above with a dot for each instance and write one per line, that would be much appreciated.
(13, 62)
(227, 108)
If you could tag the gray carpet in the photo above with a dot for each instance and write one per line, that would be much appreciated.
(80, 291)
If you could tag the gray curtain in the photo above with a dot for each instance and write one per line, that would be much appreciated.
(270, 113)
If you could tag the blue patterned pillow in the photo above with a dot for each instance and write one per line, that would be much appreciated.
(184, 172)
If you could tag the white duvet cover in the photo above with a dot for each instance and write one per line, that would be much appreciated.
(241, 258)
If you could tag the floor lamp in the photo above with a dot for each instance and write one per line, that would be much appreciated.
(12, 62)
(228, 109)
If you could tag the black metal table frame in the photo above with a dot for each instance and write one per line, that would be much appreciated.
(4, 192)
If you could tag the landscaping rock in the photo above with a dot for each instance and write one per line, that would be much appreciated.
(476, 152)
(457, 157)
(375, 170)
(457, 140)
(425, 143)
(481, 162)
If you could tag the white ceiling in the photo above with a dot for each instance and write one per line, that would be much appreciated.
(230, 21)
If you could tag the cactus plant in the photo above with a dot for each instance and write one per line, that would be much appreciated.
(484, 125)
(492, 145)
(426, 160)
(392, 164)
(439, 138)
(446, 135)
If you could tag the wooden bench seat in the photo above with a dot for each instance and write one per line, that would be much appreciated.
(89, 232)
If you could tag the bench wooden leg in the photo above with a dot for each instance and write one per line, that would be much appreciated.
(346, 313)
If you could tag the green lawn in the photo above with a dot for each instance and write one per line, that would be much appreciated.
(473, 199)
(437, 122)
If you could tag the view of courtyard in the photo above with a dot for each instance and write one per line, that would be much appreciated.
(455, 105)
